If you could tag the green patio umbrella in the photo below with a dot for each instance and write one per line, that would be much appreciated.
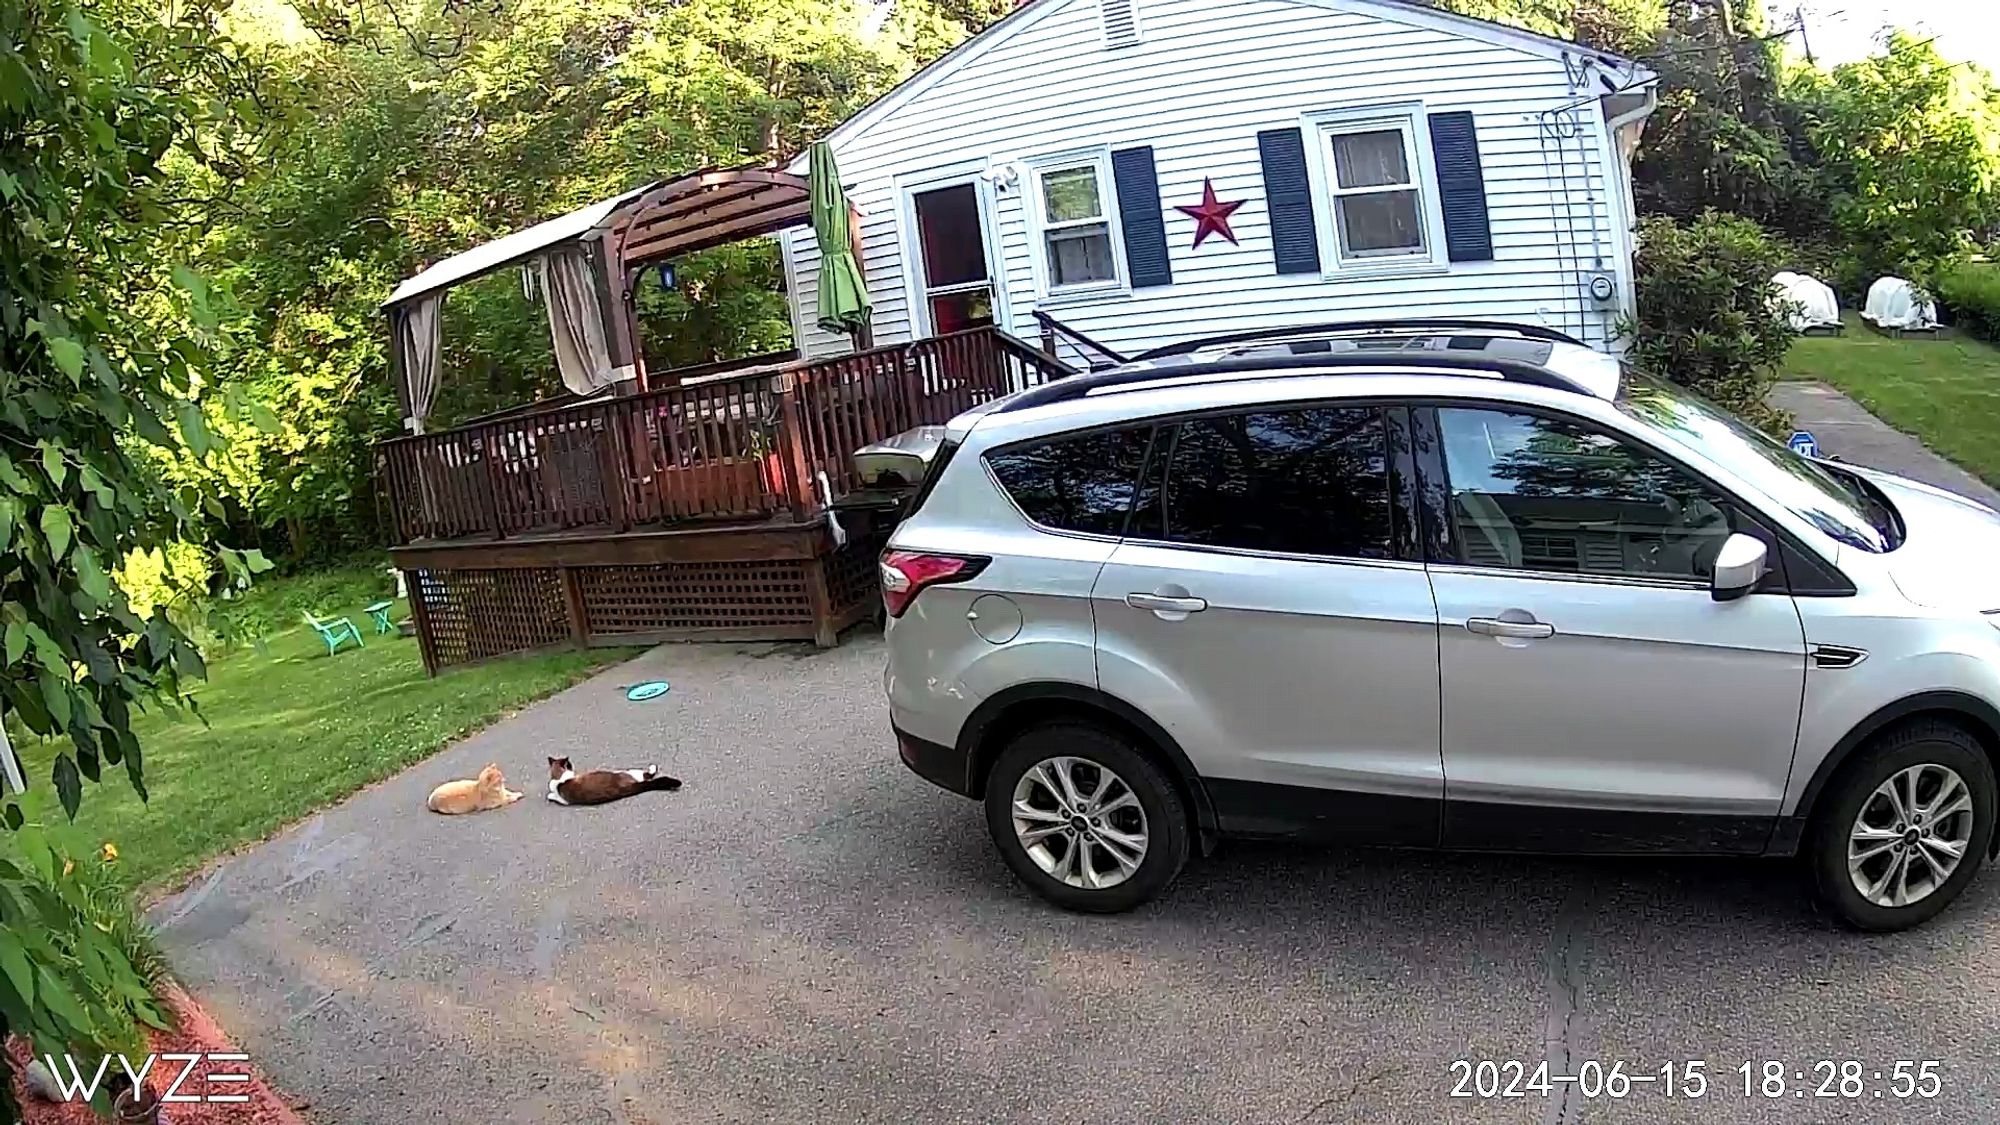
(843, 296)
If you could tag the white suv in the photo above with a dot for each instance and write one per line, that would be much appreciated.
(1446, 585)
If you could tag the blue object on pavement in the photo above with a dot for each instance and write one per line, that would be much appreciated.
(650, 690)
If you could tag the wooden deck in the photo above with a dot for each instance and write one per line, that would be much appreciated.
(697, 511)
(742, 445)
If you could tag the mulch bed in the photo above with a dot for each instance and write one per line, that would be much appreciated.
(194, 1031)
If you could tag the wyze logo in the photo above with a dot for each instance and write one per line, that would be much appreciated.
(81, 1083)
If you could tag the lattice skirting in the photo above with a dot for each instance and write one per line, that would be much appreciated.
(466, 614)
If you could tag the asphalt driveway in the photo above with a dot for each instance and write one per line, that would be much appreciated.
(809, 933)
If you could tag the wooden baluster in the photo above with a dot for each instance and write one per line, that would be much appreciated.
(792, 441)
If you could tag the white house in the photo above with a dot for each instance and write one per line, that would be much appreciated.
(1367, 158)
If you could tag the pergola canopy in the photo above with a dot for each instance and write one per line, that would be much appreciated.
(587, 261)
(696, 211)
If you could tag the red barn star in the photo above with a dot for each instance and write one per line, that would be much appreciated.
(1212, 217)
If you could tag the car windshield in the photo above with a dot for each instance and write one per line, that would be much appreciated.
(1838, 503)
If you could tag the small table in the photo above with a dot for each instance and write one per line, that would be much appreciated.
(380, 612)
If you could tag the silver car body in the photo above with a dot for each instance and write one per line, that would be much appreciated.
(1352, 696)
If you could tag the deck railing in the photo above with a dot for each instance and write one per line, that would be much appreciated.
(735, 447)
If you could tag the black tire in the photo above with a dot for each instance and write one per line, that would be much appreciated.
(1166, 822)
(1918, 743)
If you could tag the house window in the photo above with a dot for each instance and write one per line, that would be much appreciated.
(1372, 165)
(1073, 213)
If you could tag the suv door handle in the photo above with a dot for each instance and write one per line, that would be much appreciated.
(1163, 603)
(1494, 627)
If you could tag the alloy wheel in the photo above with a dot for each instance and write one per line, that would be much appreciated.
(1080, 822)
(1910, 835)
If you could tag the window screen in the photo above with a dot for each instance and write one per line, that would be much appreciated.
(1312, 481)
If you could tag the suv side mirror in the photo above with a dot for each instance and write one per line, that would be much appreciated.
(1739, 566)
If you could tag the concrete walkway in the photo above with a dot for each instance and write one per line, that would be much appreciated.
(1843, 428)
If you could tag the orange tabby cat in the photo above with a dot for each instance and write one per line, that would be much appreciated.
(489, 791)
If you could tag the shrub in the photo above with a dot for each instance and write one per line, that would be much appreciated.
(1708, 317)
(68, 944)
(1971, 290)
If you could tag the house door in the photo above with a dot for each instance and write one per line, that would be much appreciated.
(955, 283)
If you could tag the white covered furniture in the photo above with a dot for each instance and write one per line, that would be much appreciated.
(1895, 303)
(1813, 307)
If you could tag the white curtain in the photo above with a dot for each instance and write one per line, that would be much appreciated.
(576, 318)
(417, 332)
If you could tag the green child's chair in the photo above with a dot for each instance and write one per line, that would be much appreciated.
(335, 632)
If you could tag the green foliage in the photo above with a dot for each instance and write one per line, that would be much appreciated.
(1913, 143)
(1708, 318)
(1971, 291)
(274, 606)
(68, 942)
(1724, 136)
(428, 130)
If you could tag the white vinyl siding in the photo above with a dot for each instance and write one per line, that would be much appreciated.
(1205, 79)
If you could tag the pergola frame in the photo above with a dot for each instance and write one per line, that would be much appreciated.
(696, 211)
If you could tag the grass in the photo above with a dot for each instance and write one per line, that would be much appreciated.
(1945, 391)
(290, 729)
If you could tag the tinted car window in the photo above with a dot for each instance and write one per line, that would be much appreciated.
(1538, 493)
(1312, 482)
(1077, 483)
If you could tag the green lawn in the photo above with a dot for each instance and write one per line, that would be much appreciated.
(1944, 391)
(290, 730)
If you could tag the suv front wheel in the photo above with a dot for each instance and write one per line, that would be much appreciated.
(1084, 819)
(1905, 828)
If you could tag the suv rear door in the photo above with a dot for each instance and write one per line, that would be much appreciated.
(1267, 608)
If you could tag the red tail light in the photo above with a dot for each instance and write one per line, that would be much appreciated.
(905, 574)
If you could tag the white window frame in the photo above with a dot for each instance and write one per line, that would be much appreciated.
(1410, 119)
(907, 186)
(1039, 227)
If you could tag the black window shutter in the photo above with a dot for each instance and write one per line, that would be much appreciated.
(1288, 194)
(1461, 187)
(1139, 215)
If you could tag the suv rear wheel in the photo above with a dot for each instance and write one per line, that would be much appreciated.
(1905, 827)
(1085, 819)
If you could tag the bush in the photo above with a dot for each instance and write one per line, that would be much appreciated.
(75, 961)
(1708, 316)
(1971, 290)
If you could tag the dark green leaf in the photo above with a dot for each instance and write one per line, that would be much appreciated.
(69, 788)
(69, 357)
(56, 528)
(135, 768)
(61, 1003)
(194, 428)
(14, 817)
(91, 577)
(14, 963)
(54, 465)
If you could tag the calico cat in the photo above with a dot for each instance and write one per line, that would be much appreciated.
(488, 791)
(598, 787)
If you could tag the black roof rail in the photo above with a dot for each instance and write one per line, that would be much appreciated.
(1078, 386)
(1387, 327)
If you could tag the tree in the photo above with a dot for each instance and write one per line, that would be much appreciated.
(1709, 317)
(98, 102)
(1913, 143)
(434, 128)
